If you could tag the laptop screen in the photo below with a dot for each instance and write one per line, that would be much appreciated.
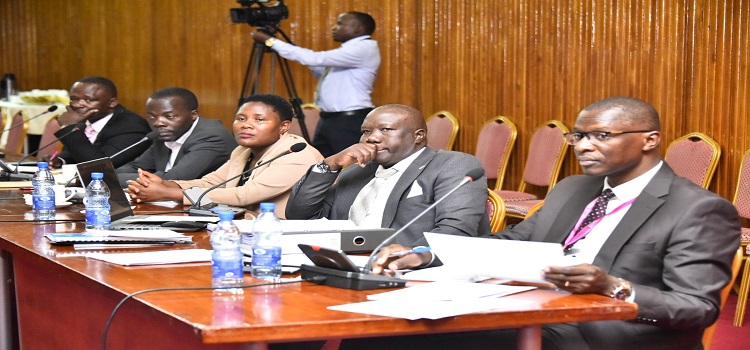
(118, 201)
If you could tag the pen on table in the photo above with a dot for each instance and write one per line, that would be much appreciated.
(54, 155)
(415, 250)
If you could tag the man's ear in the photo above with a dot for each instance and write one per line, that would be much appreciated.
(652, 141)
(113, 102)
(420, 136)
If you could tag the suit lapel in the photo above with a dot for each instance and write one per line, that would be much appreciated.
(404, 183)
(572, 211)
(650, 199)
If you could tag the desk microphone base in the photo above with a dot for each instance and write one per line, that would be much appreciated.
(214, 211)
(6, 176)
(350, 280)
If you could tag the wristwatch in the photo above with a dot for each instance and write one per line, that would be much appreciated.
(269, 42)
(323, 168)
(622, 291)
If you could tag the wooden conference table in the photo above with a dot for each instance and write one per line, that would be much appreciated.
(64, 300)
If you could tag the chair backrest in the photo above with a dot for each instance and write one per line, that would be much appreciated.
(48, 135)
(708, 334)
(312, 116)
(14, 143)
(442, 129)
(496, 211)
(694, 156)
(741, 198)
(546, 154)
(494, 145)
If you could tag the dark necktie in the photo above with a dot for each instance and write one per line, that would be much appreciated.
(600, 208)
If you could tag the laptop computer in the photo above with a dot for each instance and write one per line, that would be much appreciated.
(121, 214)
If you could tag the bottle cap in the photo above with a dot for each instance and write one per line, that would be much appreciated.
(226, 216)
(42, 165)
(267, 206)
(97, 176)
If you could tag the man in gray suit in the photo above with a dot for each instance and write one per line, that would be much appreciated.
(188, 147)
(394, 137)
(663, 242)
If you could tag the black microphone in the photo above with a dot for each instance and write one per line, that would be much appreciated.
(149, 137)
(196, 209)
(365, 280)
(43, 147)
(50, 109)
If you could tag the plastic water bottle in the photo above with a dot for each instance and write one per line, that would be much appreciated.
(226, 260)
(97, 203)
(43, 196)
(267, 244)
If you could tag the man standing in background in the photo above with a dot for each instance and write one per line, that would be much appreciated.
(345, 79)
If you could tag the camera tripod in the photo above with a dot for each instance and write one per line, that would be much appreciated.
(252, 77)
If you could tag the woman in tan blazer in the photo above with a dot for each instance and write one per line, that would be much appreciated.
(261, 130)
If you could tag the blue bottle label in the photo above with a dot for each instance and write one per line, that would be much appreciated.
(97, 216)
(43, 202)
(266, 256)
(231, 268)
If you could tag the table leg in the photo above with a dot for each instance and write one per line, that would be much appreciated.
(530, 338)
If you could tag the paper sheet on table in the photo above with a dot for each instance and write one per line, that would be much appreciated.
(449, 290)
(430, 309)
(499, 258)
(442, 273)
(155, 257)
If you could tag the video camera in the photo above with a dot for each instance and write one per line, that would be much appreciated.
(260, 16)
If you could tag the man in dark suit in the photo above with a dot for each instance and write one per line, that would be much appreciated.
(662, 242)
(394, 137)
(104, 127)
(188, 147)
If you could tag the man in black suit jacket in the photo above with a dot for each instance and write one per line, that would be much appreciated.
(664, 243)
(104, 127)
(188, 145)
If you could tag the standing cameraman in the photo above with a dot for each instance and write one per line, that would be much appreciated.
(345, 78)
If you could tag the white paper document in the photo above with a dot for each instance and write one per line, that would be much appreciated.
(498, 258)
(442, 273)
(428, 309)
(449, 291)
(156, 257)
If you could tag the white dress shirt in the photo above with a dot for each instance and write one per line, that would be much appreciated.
(176, 146)
(585, 250)
(97, 127)
(374, 217)
(354, 66)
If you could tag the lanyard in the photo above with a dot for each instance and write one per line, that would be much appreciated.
(572, 238)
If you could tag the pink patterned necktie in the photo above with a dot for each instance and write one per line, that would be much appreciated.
(90, 133)
(600, 208)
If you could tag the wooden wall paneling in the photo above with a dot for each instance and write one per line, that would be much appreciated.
(528, 60)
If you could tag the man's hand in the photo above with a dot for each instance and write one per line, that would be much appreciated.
(54, 163)
(383, 261)
(259, 37)
(582, 278)
(149, 187)
(71, 116)
(360, 153)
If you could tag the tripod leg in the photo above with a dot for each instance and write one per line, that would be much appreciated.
(295, 100)
(252, 74)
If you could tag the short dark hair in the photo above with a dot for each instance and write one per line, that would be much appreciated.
(187, 96)
(639, 112)
(102, 81)
(279, 104)
(365, 20)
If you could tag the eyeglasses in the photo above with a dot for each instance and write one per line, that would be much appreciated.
(596, 136)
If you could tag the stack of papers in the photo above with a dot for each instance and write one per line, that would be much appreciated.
(437, 300)
(155, 258)
(119, 237)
